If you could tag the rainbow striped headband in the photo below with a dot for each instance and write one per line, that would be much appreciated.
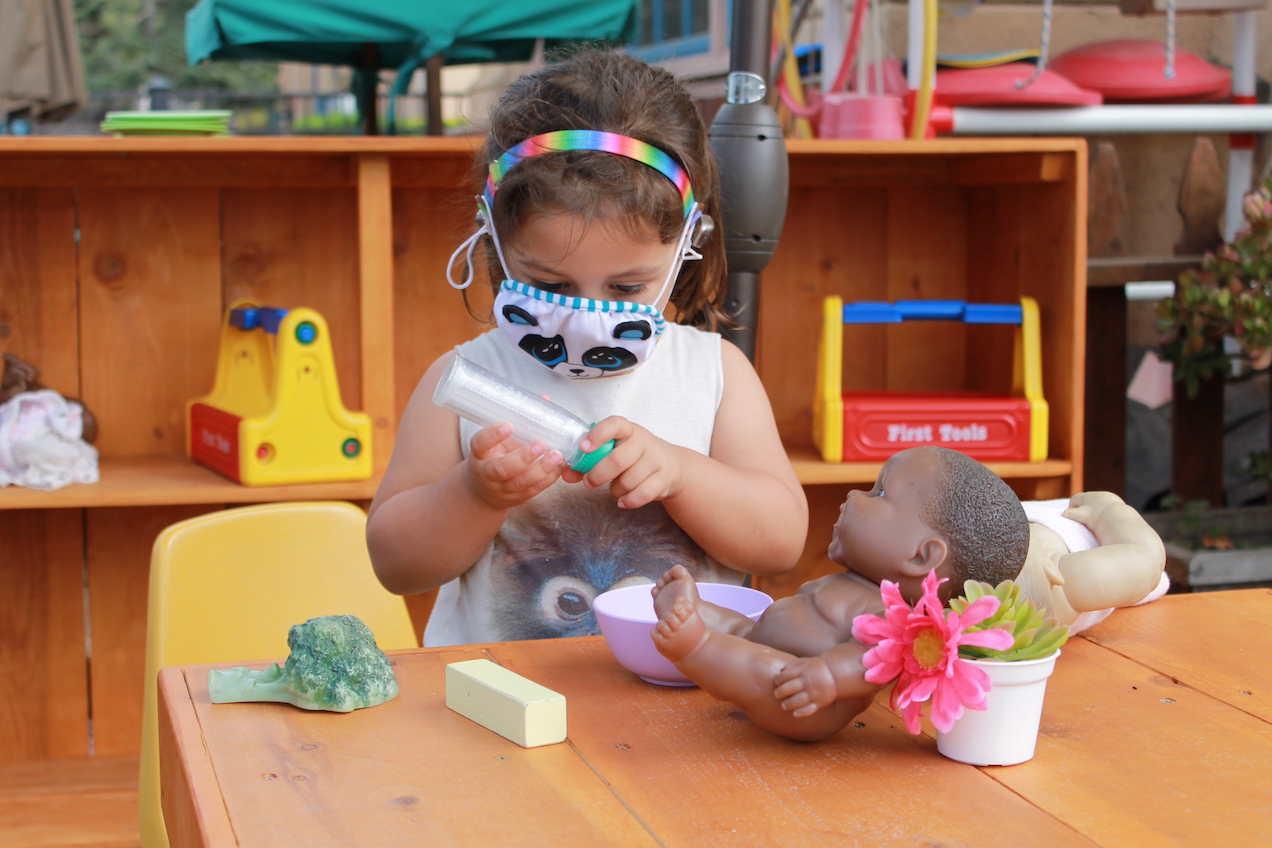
(591, 140)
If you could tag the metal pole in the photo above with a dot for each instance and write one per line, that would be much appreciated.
(750, 151)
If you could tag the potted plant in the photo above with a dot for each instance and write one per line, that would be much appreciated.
(1216, 548)
(981, 666)
(1229, 297)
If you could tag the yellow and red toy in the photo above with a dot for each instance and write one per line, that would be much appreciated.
(871, 426)
(274, 416)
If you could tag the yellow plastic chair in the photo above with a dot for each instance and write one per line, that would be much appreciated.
(228, 585)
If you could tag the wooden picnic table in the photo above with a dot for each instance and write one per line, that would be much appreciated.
(1157, 729)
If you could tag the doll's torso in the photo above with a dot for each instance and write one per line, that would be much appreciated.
(819, 616)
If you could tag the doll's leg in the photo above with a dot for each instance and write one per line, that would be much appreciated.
(741, 672)
(677, 582)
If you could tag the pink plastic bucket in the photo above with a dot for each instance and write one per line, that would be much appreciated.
(862, 116)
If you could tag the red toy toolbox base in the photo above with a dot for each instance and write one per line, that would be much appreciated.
(985, 427)
(214, 439)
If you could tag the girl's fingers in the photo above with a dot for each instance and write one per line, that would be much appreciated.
(615, 428)
(487, 439)
(514, 464)
(539, 475)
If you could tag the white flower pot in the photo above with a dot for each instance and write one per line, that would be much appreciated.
(1006, 731)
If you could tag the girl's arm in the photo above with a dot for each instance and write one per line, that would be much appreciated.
(743, 504)
(435, 512)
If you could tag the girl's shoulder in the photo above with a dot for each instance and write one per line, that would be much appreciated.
(685, 338)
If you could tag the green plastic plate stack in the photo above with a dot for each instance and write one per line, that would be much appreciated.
(165, 123)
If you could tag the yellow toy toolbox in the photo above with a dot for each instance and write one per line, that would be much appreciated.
(871, 426)
(274, 416)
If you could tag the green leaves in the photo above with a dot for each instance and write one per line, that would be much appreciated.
(1231, 295)
(1036, 636)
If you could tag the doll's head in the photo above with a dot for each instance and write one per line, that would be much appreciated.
(932, 508)
(617, 94)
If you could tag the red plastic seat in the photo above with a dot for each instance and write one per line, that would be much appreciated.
(1131, 71)
(996, 86)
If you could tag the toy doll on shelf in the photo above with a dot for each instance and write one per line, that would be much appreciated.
(798, 672)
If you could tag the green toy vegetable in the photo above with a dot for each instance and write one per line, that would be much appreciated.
(334, 665)
(1035, 635)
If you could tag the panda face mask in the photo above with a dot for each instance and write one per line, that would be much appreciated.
(579, 337)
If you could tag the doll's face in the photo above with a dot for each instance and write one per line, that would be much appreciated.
(879, 529)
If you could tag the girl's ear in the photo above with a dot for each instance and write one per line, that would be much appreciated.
(931, 554)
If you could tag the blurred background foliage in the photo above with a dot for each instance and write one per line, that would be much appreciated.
(133, 44)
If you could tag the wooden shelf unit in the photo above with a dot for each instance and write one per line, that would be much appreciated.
(119, 256)
(981, 220)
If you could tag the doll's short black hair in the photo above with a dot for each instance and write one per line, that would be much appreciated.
(981, 519)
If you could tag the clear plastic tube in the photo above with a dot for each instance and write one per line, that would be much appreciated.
(487, 399)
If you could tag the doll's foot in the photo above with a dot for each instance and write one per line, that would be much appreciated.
(675, 583)
(678, 633)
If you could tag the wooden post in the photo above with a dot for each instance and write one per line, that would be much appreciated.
(1104, 424)
(370, 84)
(433, 78)
(375, 267)
(1196, 444)
(1105, 415)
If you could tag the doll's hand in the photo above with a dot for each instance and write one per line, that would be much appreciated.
(805, 686)
(503, 474)
(641, 468)
(1099, 511)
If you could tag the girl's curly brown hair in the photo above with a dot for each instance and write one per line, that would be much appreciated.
(617, 93)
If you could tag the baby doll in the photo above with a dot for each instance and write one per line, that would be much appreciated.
(798, 671)
(1088, 555)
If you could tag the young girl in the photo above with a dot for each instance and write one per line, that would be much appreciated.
(599, 184)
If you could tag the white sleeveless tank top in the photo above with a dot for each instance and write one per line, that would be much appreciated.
(555, 553)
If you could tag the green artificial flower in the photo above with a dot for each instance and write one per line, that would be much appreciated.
(1035, 635)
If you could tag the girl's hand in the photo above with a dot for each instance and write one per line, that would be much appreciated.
(503, 474)
(641, 468)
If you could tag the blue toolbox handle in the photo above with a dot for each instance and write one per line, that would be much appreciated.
(873, 312)
(265, 318)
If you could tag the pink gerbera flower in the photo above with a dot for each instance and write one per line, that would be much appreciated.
(919, 649)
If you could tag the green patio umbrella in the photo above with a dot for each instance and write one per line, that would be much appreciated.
(371, 35)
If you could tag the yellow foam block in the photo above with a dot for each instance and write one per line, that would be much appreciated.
(507, 703)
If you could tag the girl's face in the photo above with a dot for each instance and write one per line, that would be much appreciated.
(562, 254)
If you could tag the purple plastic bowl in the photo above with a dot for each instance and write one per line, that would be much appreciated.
(626, 617)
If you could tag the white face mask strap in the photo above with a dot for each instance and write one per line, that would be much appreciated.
(684, 250)
(486, 227)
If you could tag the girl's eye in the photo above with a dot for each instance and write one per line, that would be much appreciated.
(635, 288)
(552, 287)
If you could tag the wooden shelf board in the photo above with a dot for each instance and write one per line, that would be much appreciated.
(165, 480)
(812, 471)
(88, 801)
(161, 480)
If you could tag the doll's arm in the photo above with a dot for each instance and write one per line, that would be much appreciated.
(1125, 567)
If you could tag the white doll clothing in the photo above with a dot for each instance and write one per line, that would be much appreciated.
(1077, 537)
(41, 445)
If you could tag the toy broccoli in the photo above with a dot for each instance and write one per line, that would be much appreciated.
(334, 665)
